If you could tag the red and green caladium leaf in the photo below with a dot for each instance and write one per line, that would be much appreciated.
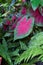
(38, 16)
(24, 28)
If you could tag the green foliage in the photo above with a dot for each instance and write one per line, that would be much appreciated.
(2, 1)
(34, 44)
(4, 52)
(23, 46)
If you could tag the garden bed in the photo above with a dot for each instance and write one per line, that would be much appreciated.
(21, 32)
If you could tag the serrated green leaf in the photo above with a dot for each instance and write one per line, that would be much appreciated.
(23, 45)
(36, 40)
(37, 51)
(14, 53)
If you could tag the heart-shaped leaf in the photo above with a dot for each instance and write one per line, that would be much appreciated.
(24, 28)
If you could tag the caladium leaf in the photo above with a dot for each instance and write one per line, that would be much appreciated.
(24, 28)
(38, 17)
(35, 4)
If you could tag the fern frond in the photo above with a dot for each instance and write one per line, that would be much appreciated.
(33, 50)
